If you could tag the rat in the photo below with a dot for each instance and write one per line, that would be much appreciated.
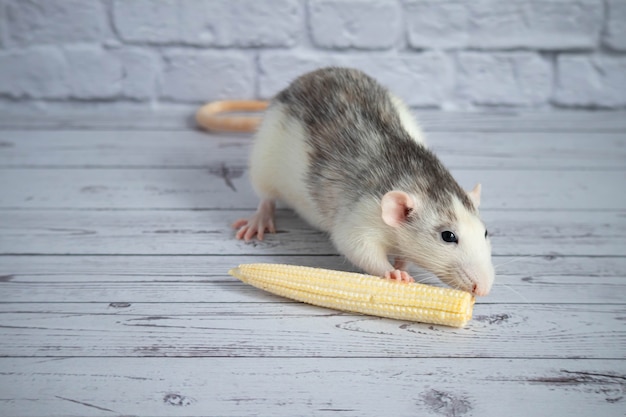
(347, 155)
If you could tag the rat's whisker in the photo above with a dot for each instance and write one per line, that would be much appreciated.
(511, 261)
(508, 287)
(425, 281)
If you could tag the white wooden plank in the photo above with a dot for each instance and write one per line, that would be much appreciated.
(310, 387)
(97, 117)
(546, 308)
(208, 233)
(121, 148)
(171, 279)
(599, 290)
(83, 269)
(522, 121)
(300, 330)
(224, 186)
(214, 187)
(508, 150)
(113, 117)
(202, 269)
(524, 150)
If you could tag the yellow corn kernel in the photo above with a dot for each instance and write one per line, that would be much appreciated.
(361, 293)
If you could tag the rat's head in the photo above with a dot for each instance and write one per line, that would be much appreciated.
(448, 240)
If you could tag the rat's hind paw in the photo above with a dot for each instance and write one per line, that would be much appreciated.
(248, 228)
(258, 224)
(398, 275)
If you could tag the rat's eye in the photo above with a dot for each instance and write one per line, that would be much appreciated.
(448, 236)
(486, 234)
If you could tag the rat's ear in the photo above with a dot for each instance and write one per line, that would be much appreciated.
(396, 206)
(474, 195)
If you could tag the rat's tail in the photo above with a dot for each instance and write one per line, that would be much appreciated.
(210, 115)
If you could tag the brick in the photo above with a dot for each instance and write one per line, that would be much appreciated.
(99, 74)
(497, 24)
(503, 79)
(140, 71)
(278, 69)
(84, 72)
(93, 74)
(421, 80)
(591, 81)
(615, 36)
(3, 25)
(37, 72)
(364, 24)
(31, 22)
(246, 23)
(193, 76)
(437, 24)
(241, 23)
(147, 20)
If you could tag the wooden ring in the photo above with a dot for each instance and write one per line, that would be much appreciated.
(210, 116)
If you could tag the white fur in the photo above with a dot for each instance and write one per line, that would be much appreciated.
(474, 258)
(407, 120)
(359, 233)
(279, 161)
(278, 168)
(466, 265)
(361, 236)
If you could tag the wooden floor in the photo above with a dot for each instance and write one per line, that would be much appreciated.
(115, 298)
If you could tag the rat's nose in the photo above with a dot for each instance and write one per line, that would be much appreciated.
(479, 291)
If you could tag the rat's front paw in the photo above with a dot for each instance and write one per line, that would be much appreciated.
(398, 275)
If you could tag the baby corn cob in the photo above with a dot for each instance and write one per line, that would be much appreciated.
(361, 293)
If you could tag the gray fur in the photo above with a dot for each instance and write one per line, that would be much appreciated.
(358, 145)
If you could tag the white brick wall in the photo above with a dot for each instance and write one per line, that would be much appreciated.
(600, 81)
(450, 54)
(55, 22)
(522, 78)
(509, 24)
(221, 23)
(190, 75)
(360, 24)
(615, 36)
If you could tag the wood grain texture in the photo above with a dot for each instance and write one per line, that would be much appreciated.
(298, 330)
(175, 279)
(208, 233)
(114, 298)
(189, 149)
(527, 290)
(311, 387)
(181, 118)
(224, 186)
(52, 268)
